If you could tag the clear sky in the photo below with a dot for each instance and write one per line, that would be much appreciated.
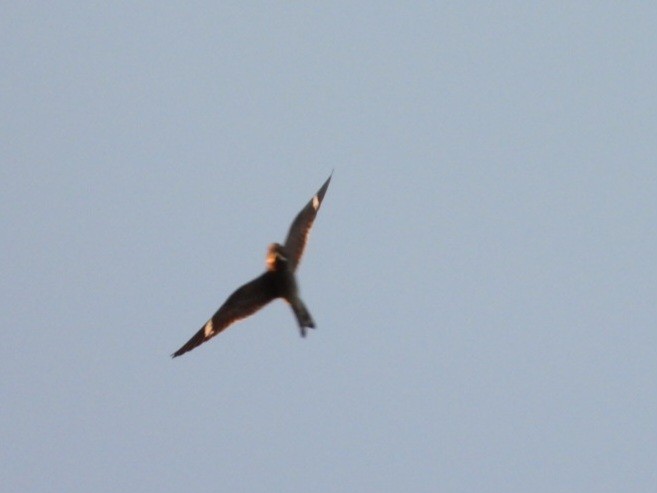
(482, 271)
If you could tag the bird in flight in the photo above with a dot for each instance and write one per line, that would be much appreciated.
(278, 281)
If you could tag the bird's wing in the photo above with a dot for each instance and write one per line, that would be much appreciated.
(298, 234)
(245, 301)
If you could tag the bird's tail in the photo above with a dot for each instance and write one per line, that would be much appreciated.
(303, 316)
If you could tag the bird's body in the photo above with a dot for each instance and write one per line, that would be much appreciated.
(284, 284)
(278, 281)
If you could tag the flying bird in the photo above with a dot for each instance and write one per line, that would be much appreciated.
(278, 281)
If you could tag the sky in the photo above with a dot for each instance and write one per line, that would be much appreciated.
(482, 270)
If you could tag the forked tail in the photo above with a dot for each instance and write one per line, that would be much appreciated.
(303, 316)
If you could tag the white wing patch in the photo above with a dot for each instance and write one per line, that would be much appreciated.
(208, 330)
(315, 202)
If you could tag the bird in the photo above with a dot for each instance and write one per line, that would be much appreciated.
(278, 281)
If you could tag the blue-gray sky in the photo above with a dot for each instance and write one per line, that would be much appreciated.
(482, 271)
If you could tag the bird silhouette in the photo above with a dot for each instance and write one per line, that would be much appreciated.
(278, 281)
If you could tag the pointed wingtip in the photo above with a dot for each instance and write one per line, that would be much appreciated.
(324, 187)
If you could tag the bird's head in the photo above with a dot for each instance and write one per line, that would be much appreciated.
(276, 257)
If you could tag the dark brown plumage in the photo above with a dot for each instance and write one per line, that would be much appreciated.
(278, 281)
